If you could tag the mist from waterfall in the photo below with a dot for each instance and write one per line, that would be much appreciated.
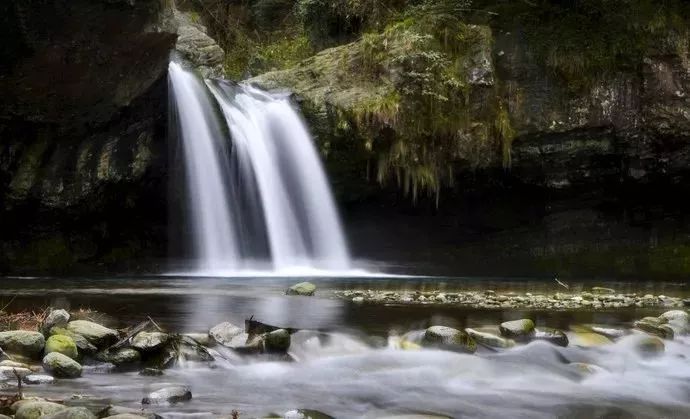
(257, 192)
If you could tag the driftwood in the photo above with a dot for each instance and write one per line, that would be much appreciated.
(136, 329)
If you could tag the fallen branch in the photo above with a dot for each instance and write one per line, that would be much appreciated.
(125, 341)
(564, 285)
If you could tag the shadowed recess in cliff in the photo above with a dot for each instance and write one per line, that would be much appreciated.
(264, 204)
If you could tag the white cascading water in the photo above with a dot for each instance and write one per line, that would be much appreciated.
(274, 172)
(214, 234)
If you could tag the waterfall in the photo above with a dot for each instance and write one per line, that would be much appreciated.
(268, 199)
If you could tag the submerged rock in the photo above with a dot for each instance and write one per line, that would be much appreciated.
(227, 334)
(149, 341)
(587, 339)
(448, 338)
(58, 318)
(303, 288)
(151, 372)
(602, 290)
(648, 346)
(306, 414)
(93, 332)
(36, 409)
(489, 339)
(520, 330)
(61, 344)
(609, 332)
(173, 394)
(551, 335)
(61, 365)
(22, 342)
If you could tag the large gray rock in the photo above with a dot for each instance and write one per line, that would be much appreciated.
(655, 326)
(11, 373)
(22, 342)
(93, 332)
(173, 394)
(520, 330)
(149, 341)
(72, 413)
(677, 320)
(37, 409)
(448, 338)
(197, 48)
(58, 318)
(61, 366)
(227, 334)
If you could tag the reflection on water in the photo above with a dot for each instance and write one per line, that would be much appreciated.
(346, 372)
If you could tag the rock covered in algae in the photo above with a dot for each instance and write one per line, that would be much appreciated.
(303, 288)
(62, 344)
(448, 338)
(520, 330)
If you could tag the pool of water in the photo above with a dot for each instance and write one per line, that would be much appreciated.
(353, 374)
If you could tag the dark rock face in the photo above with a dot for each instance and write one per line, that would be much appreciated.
(83, 100)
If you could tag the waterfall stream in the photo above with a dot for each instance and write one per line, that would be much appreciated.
(267, 202)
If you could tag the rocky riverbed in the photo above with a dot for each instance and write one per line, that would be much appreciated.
(86, 364)
(594, 299)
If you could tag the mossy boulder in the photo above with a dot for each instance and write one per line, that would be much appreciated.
(448, 338)
(520, 330)
(61, 344)
(96, 334)
(61, 365)
(277, 341)
(36, 409)
(22, 342)
(303, 288)
(83, 345)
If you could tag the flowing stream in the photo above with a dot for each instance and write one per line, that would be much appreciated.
(268, 198)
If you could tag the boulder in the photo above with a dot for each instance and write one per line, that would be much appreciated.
(655, 326)
(303, 288)
(149, 341)
(96, 334)
(277, 341)
(551, 335)
(172, 394)
(83, 345)
(677, 320)
(38, 379)
(36, 409)
(227, 334)
(22, 342)
(520, 330)
(58, 318)
(61, 365)
(489, 339)
(72, 413)
(448, 338)
(61, 344)
(120, 357)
